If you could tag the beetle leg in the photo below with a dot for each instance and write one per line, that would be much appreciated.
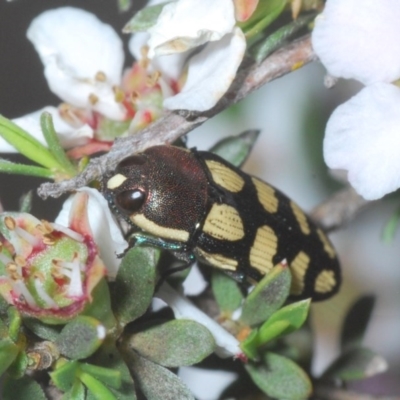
(141, 239)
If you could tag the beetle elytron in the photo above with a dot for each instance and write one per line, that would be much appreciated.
(197, 205)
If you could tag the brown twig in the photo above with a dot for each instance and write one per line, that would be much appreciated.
(339, 209)
(330, 393)
(176, 124)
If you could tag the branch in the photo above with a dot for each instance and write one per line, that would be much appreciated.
(339, 209)
(178, 123)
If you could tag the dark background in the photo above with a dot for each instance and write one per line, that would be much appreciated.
(23, 88)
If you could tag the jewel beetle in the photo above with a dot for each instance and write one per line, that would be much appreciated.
(199, 206)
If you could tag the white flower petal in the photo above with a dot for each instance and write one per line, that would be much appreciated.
(363, 137)
(69, 136)
(210, 74)
(185, 24)
(359, 39)
(74, 47)
(106, 232)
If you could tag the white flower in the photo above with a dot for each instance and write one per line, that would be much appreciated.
(82, 58)
(358, 39)
(363, 137)
(183, 26)
(105, 230)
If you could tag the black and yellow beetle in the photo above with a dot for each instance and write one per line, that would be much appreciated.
(197, 205)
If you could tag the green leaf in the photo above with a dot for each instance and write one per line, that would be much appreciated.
(226, 291)
(64, 375)
(27, 144)
(100, 306)
(356, 322)
(284, 321)
(280, 378)
(19, 366)
(14, 324)
(80, 338)
(44, 331)
(124, 5)
(77, 392)
(266, 12)
(174, 344)
(8, 353)
(25, 202)
(391, 227)
(355, 364)
(53, 142)
(22, 389)
(99, 391)
(267, 46)
(9, 167)
(108, 356)
(133, 288)
(157, 382)
(144, 19)
(269, 294)
(107, 375)
(236, 149)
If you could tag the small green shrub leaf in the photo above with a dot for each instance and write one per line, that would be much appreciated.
(175, 343)
(22, 389)
(280, 378)
(8, 353)
(133, 288)
(355, 364)
(226, 291)
(144, 19)
(80, 338)
(269, 294)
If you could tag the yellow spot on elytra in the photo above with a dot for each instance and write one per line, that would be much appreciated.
(225, 177)
(301, 218)
(266, 196)
(116, 181)
(263, 249)
(298, 268)
(218, 260)
(157, 230)
(326, 243)
(223, 222)
(325, 281)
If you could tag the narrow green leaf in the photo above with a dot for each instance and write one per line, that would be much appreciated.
(77, 392)
(53, 142)
(249, 346)
(14, 325)
(80, 338)
(64, 375)
(157, 382)
(109, 357)
(27, 144)
(22, 389)
(144, 19)
(356, 322)
(133, 289)
(269, 294)
(124, 5)
(99, 391)
(174, 344)
(9, 167)
(236, 149)
(280, 378)
(284, 321)
(391, 227)
(267, 46)
(25, 202)
(107, 375)
(266, 12)
(226, 291)
(355, 364)
(8, 353)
